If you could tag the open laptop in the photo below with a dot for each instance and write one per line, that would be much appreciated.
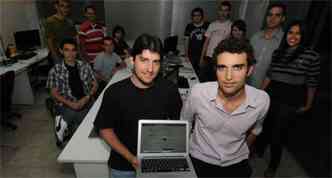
(162, 149)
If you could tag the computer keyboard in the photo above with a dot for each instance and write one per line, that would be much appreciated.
(164, 165)
(24, 56)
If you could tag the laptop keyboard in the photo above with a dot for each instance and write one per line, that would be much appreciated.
(164, 165)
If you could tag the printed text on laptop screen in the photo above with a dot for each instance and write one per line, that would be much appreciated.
(163, 138)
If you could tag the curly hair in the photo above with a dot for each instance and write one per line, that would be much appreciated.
(234, 45)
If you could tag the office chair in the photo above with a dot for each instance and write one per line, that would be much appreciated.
(7, 81)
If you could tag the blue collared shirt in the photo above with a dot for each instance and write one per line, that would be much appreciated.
(219, 137)
(263, 49)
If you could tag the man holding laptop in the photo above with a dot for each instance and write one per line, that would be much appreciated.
(143, 95)
(228, 114)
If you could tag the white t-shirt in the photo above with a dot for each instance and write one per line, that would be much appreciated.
(217, 31)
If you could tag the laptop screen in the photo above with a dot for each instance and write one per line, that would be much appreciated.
(163, 138)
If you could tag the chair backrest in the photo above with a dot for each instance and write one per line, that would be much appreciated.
(7, 81)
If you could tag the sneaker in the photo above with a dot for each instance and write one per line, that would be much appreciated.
(60, 128)
(269, 173)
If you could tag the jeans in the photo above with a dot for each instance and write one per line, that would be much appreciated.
(122, 174)
(73, 118)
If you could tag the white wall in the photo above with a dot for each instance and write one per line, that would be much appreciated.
(137, 17)
(17, 15)
(254, 15)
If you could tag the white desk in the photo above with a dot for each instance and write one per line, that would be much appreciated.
(90, 155)
(23, 93)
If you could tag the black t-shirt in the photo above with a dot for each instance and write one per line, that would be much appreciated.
(196, 37)
(75, 82)
(124, 104)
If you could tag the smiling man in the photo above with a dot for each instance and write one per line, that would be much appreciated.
(91, 34)
(59, 27)
(143, 95)
(228, 114)
(72, 85)
(266, 41)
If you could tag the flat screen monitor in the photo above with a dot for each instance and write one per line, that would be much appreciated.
(27, 40)
(170, 44)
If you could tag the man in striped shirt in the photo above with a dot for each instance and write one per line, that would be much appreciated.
(91, 35)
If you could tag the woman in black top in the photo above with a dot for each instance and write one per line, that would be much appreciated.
(291, 82)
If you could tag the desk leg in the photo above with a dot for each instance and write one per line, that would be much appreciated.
(23, 93)
(89, 170)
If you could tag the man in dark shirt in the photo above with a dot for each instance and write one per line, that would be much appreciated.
(72, 84)
(194, 36)
(141, 96)
(58, 27)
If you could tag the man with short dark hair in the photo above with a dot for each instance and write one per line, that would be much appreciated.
(266, 41)
(72, 84)
(59, 27)
(228, 114)
(141, 96)
(194, 36)
(91, 34)
(107, 64)
(216, 32)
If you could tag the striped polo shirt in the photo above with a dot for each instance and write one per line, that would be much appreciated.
(304, 70)
(91, 38)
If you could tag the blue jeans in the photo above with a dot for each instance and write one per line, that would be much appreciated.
(122, 174)
(72, 117)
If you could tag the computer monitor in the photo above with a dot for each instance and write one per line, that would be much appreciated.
(27, 40)
(170, 44)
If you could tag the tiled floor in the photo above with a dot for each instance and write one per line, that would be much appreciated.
(31, 150)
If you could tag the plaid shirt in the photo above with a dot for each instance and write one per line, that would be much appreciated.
(58, 77)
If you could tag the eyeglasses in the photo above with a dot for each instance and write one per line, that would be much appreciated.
(196, 15)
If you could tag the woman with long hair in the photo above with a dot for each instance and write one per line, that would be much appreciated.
(291, 82)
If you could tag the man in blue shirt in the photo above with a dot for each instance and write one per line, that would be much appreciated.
(266, 41)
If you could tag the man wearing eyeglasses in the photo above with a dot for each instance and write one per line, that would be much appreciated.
(194, 37)
(228, 114)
